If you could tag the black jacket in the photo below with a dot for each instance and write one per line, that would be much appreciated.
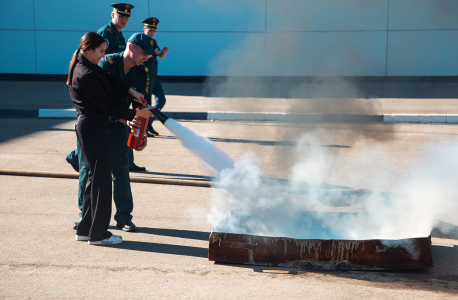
(92, 91)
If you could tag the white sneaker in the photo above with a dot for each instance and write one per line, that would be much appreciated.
(114, 239)
(81, 238)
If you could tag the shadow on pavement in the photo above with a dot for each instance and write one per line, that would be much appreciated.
(15, 128)
(178, 176)
(261, 143)
(56, 92)
(338, 88)
(63, 129)
(280, 181)
(186, 234)
(442, 277)
(162, 248)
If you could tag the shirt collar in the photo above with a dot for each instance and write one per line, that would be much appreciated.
(113, 27)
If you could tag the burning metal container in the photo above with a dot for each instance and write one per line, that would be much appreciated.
(411, 253)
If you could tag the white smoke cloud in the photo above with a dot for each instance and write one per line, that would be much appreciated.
(247, 204)
(245, 201)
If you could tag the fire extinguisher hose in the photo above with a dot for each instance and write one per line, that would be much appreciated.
(132, 179)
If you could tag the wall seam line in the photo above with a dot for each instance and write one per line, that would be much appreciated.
(297, 31)
(35, 38)
(387, 39)
(265, 38)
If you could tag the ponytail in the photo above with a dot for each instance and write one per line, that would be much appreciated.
(72, 66)
(90, 40)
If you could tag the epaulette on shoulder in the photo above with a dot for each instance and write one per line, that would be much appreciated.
(143, 68)
(112, 58)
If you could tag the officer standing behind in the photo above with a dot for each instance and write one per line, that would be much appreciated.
(127, 66)
(112, 32)
(155, 85)
(149, 29)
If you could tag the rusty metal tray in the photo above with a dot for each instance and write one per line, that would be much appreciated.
(413, 253)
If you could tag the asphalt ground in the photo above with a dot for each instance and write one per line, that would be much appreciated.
(167, 257)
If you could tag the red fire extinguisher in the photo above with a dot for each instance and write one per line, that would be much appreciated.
(136, 134)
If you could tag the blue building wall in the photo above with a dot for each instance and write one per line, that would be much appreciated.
(248, 37)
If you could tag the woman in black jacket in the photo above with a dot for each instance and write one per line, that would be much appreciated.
(91, 90)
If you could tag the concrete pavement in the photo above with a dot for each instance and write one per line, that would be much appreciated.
(167, 257)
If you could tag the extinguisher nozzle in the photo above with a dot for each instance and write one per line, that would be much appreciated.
(159, 115)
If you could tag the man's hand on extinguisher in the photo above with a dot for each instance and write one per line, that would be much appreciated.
(145, 112)
(143, 146)
(137, 96)
(135, 123)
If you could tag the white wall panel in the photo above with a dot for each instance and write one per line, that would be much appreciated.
(17, 15)
(423, 14)
(326, 54)
(207, 54)
(423, 53)
(83, 15)
(226, 37)
(209, 15)
(19, 55)
(55, 50)
(326, 15)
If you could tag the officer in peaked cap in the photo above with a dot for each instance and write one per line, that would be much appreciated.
(151, 22)
(112, 32)
(150, 28)
(123, 8)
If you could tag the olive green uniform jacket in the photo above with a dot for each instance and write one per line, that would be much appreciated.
(116, 42)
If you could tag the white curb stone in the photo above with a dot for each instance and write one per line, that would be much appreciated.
(410, 118)
(57, 113)
(452, 119)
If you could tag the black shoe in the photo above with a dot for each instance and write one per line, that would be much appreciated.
(134, 168)
(74, 166)
(75, 225)
(149, 134)
(126, 226)
(151, 130)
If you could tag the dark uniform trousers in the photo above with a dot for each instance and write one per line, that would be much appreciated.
(118, 134)
(93, 141)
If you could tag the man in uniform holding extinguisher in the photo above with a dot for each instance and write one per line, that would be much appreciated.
(156, 91)
(126, 65)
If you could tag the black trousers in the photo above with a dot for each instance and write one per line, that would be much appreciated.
(92, 136)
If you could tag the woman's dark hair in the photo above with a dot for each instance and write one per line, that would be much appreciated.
(90, 40)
